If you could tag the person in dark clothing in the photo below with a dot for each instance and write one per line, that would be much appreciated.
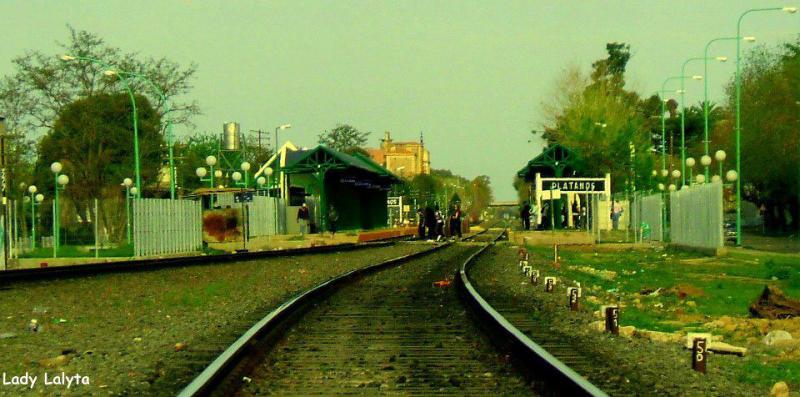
(455, 222)
(576, 212)
(525, 215)
(421, 223)
(439, 224)
(430, 222)
(333, 217)
(302, 218)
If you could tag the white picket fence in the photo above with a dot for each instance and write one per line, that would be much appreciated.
(166, 226)
(261, 216)
(696, 218)
(647, 210)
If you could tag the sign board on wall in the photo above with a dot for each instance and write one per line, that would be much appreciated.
(574, 185)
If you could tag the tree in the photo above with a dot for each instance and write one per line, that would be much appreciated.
(193, 152)
(481, 191)
(770, 141)
(93, 139)
(42, 85)
(344, 138)
(599, 119)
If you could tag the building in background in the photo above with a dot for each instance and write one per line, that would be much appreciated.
(405, 159)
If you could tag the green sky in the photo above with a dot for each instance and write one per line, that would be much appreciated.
(470, 74)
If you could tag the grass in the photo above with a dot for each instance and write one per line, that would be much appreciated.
(721, 286)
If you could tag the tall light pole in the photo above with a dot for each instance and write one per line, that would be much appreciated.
(36, 199)
(280, 127)
(683, 115)
(663, 122)
(127, 182)
(790, 10)
(70, 58)
(167, 108)
(61, 182)
(705, 94)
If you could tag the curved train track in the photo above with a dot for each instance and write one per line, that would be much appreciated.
(389, 329)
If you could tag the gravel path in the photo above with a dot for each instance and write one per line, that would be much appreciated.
(632, 366)
(149, 333)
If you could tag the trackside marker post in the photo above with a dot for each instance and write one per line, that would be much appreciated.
(534, 277)
(612, 320)
(574, 294)
(549, 284)
(699, 355)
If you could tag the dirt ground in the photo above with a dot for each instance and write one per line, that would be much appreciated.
(149, 333)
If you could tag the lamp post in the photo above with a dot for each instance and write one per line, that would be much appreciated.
(245, 166)
(268, 171)
(705, 92)
(127, 182)
(280, 127)
(167, 108)
(663, 123)
(690, 162)
(720, 156)
(36, 199)
(60, 182)
(237, 177)
(738, 78)
(110, 72)
(201, 172)
(683, 113)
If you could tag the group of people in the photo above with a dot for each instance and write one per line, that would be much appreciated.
(530, 213)
(304, 216)
(430, 223)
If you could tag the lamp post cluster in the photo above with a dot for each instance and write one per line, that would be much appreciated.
(732, 175)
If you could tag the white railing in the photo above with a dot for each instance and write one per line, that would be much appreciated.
(696, 218)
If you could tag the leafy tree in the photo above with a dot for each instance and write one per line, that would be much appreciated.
(93, 139)
(344, 138)
(481, 191)
(770, 140)
(424, 189)
(42, 85)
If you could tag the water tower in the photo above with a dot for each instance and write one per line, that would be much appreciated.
(231, 149)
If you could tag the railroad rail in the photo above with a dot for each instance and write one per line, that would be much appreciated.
(275, 338)
(138, 265)
(555, 376)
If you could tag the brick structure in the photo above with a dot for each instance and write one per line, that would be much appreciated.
(405, 159)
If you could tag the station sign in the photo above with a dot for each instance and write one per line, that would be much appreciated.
(393, 201)
(575, 185)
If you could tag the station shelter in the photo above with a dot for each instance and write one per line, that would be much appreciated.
(354, 185)
(556, 177)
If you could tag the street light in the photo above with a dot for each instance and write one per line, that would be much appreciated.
(61, 182)
(127, 182)
(280, 127)
(268, 172)
(690, 162)
(720, 155)
(738, 78)
(705, 91)
(683, 110)
(663, 120)
(167, 107)
(110, 72)
(35, 200)
(701, 179)
(246, 167)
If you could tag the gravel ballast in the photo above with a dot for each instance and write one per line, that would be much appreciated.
(151, 332)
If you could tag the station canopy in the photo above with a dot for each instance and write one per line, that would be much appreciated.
(554, 162)
(355, 169)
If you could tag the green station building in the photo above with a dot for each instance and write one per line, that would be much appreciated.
(354, 185)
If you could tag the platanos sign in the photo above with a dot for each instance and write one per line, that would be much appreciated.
(575, 185)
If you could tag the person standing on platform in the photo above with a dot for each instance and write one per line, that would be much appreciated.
(439, 224)
(455, 222)
(430, 222)
(302, 218)
(525, 215)
(333, 217)
(421, 223)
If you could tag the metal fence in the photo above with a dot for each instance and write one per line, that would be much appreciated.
(262, 218)
(166, 226)
(696, 216)
(646, 217)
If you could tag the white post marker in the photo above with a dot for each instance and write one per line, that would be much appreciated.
(549, 284)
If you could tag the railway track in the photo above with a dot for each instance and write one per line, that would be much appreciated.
(399, 331)
(562, 349)
(138, 265)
